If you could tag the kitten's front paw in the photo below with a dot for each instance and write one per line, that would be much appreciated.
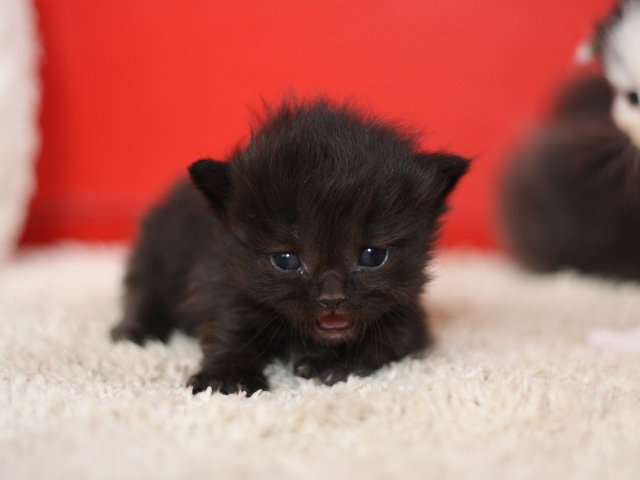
(327, 371)
(228, 384)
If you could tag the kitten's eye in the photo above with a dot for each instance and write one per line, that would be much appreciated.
(633, 98)
(286, 261)
(372, 257)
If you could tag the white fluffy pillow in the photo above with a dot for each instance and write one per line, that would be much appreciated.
(19, 96)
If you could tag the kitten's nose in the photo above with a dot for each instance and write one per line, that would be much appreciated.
(331, 291)
(331, 301)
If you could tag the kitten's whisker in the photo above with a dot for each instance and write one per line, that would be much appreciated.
(262, 328)
(362, 335)
(439, 336)
(377, 339)
(394, 317)
(303, 338)
(273, 336)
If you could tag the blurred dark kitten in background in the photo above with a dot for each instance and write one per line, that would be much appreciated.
(308, 245)
(571, 196)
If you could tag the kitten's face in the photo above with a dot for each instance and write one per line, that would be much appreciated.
(331, 221)
(621, 59)
(341, 261)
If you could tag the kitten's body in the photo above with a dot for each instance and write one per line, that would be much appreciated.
(309, 245)
(571, 197)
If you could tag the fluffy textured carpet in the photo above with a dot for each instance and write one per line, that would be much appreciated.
(512, 390)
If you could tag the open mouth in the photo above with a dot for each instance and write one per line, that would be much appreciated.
(334, 325)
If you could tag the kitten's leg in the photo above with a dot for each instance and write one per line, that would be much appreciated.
(235, 355)
(146, 317)
(395, 335)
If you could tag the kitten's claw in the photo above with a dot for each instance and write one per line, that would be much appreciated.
(328, 376)
(249, 383)
(304, 370)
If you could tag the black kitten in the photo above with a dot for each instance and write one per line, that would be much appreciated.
(308, 245)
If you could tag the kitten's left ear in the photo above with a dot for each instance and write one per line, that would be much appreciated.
(442, 172)
(213, 180)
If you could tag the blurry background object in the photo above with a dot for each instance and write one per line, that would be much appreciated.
(136, 90)
(571, 197)
(19, 95)
(617, 44)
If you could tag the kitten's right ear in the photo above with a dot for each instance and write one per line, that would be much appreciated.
(213, 180)
(442, 171)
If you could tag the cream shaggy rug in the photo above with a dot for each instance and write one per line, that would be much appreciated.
(513, 389)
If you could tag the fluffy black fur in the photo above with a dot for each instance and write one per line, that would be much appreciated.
(571, 197)
(319, 181)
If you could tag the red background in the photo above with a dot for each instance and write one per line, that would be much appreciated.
(135, 90)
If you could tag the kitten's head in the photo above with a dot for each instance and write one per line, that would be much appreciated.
(330, 215)
(617, 44)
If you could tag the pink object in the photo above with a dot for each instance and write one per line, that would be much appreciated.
(624, 340)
